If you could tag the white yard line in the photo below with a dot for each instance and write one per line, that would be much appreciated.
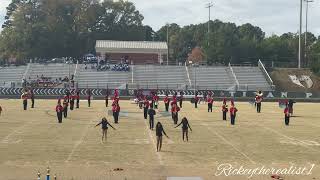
(226, 141)
(6, 139)
(76, 145)
(151, 137)
(290, 138)
(229, 143)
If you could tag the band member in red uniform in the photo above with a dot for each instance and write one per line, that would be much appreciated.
(185, 126)
(210, 103)
(233, 114)
(286, 116)
(224, 110)
(146, 105)
(166, 102)
(155, 101)
(59, 110)
(259, 98)
(32, 98)
(181, 99)
(72, 99)
(116, 111)
(89, 97)
(175, 113)
(107, 98)
(290, 106)
(65, 108)
(78, 99)
(24, 98)
(196, 100)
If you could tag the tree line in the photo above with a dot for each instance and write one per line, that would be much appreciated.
(69, 28)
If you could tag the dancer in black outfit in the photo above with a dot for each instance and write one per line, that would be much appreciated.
(104, 126)
(159, 131)
(185, 127)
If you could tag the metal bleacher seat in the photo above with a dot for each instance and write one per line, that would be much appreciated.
(251, 79)
(160, 77)
(211, 78)
(54, 71)
(91, 78)
(12, 74)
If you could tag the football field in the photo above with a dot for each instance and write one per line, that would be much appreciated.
(32, 140)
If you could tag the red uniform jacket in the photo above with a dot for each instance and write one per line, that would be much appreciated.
(166, 99)
(155, 98)
(259, 99)
(233, 111)
(59, 108)
(146, 104)
(210, 100)
(196, 98)
(116, 108)
(286, 112)
(175, 109)
(224, 108)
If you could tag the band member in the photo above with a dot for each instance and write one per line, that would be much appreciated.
(196, 100)
(258, 100)
(72, 98)
(116, 111)
(181, 99)
(155, 101)
(151, 113)
(224, 110)
(175, 113)
(146, 105)
(65, 109)
(24, 98)
(185, 126)
(104, 126)
(32, 98)
(166, 102)
(233, 113)
(286, 116)
(107, 98)
(159, 131)
(78, 99)
(59, 110)
(290, 106)
(66, 97)
(210, 103)
(89, 97)
(0, 110)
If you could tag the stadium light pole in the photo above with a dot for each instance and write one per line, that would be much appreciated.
(168, 44)
(300, 30)
(209, 6)
(306, 34)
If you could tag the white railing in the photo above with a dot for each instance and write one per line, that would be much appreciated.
(265, 73)
(234, 76)
(26, 72)
(188, 75)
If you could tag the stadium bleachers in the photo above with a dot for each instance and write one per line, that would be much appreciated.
(144, 77)
(91, 78)
(251, 79)
(54, 71)
(208, 78)
(12, 74)
(160, 77)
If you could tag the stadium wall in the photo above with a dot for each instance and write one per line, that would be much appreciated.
(99, 94)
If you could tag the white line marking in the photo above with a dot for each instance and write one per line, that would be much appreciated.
(153, 142)
(18, 130)
(76, 145)
(289, 138)
(229, 143)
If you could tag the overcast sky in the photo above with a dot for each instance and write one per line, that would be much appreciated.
(273, 16)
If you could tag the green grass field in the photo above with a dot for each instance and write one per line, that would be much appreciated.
(32, 140)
